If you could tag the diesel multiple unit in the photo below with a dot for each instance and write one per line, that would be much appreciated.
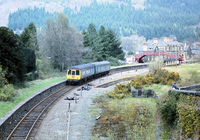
(83, 72)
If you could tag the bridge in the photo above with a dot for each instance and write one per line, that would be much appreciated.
(139, 58)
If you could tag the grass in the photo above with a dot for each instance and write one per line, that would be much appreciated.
(189, 74)
(24, 93)
(185, 70)
(161, 90)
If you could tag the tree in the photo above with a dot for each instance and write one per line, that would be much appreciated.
(11, 56)
(104, 43)
(62, 43)
(28, 40)
(115, 48)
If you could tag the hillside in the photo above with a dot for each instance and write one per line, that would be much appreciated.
(9, 6)
(148, 18)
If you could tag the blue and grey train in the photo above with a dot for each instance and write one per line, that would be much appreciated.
(79, 73)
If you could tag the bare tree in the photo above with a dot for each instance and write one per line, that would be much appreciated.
(62, 44)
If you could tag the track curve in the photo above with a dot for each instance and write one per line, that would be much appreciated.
(23, 129)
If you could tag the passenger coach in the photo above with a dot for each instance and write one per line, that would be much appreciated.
(86, 71)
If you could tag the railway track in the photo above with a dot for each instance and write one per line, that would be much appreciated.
(27, 127)
(115, 82)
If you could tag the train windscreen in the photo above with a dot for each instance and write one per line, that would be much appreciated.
(77, 72)
(69, 72)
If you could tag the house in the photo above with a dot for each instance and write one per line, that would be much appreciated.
(129, 59)
(168, 44)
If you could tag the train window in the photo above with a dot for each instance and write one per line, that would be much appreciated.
(77, 72)
(73, 72)
(69, 72)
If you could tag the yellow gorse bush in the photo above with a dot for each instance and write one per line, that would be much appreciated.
(158, 77)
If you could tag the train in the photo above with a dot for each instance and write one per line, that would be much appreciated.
(81, 73)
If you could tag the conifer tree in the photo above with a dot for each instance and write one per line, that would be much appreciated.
(11, 56)
(28, 40)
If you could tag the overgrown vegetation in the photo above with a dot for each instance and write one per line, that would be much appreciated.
(120, 91)
(7, 91)
(180, 116)
(127, 119)
(179, 113)
(158, 77)
(168, 109)
(162, 76)
(189, 116)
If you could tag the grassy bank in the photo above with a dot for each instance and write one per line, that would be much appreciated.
(185, 69)
(161, 90)
(24, 93)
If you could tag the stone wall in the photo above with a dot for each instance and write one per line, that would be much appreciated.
(189, 90)
(8, 122)
(192, 87)
(142, 93)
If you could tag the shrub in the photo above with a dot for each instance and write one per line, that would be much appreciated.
(137, 82)
(159, 76)
(189, 117)
(7, 92)
(43, 67)
(168, 109)
(120, 91)
(154, 66)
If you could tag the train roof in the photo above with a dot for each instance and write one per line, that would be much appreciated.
(83, 66)
(101, 63)
(90, 65)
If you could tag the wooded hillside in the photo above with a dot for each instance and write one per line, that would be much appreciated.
(157, 19)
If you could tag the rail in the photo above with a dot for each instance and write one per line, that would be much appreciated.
(25, 126)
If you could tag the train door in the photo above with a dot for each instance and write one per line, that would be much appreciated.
(73, 74)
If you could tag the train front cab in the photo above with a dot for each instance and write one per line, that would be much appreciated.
(73, 75)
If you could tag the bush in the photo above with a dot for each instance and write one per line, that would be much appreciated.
(120, 91)
(43, 67)
(189, 116)
(154, 66)
(158, 77)
(7, 92)
(168, 109)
